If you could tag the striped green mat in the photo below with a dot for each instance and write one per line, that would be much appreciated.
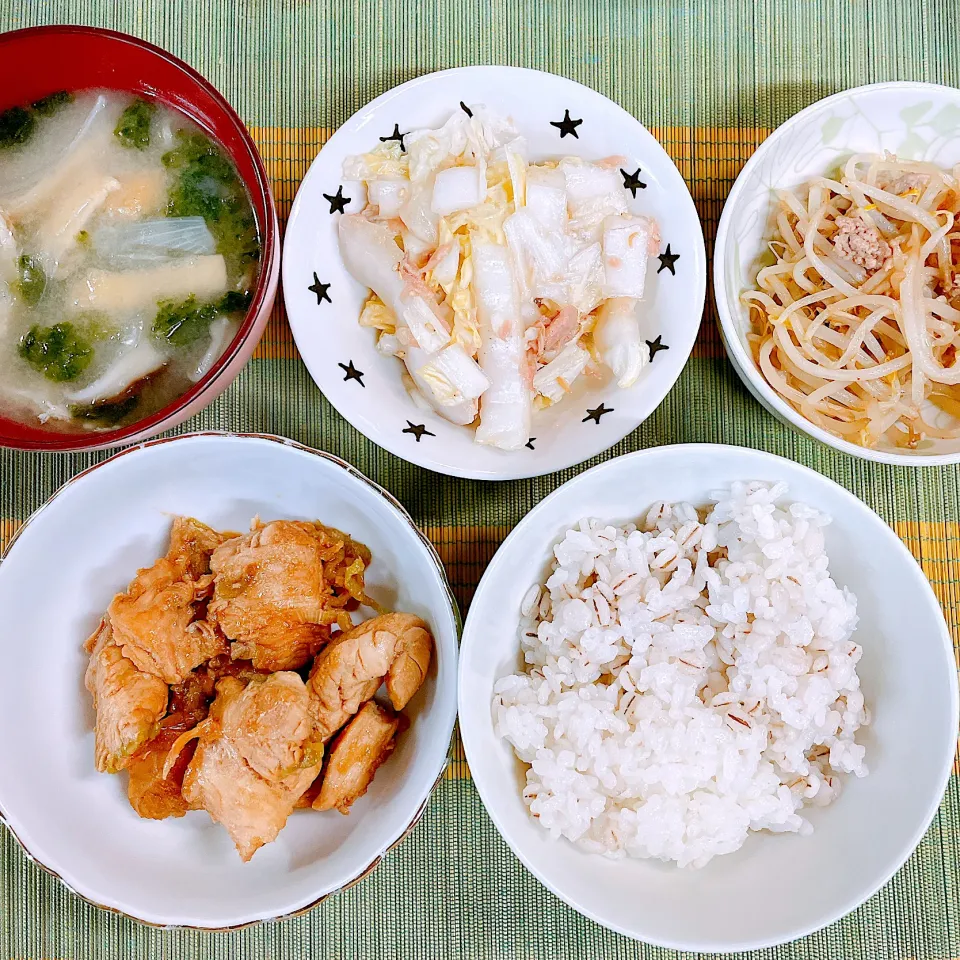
(711, 78)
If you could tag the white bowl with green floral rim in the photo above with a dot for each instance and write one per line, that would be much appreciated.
(915, 121)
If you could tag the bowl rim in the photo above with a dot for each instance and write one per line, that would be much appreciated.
(724, 299)
(269, 262)
(434, 556)
(471, 737)
(685, 198)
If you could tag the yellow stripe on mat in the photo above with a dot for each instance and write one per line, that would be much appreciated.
(287, 153)
(709, 158)
(937, 547)
(466, 551)
(7, 530)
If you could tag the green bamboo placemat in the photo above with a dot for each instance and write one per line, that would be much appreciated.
(711, 79)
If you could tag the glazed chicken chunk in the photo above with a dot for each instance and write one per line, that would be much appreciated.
(155, 620)
(271, 725)
(358, 750)
(129, 703)
(192, 543)
(155, 788)
(258, 753)
(269, 595)
(395, 647)
(154, 793)
(194, 682)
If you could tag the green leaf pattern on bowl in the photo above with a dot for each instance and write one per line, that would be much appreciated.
(920, 128)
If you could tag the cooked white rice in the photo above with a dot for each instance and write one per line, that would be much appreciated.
(688, 679)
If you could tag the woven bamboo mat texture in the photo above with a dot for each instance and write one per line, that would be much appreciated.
(711, 78)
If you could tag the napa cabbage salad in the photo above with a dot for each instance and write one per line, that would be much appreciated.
(498, 282)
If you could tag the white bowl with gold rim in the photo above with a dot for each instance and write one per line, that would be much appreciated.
(57, 577)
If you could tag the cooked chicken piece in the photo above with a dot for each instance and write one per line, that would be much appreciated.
(152, 795)
(359, 749)
(128, 702)
(271, 725)
(155, 621)
(347, 673)
(280, 645)
(409, 669)
(276, 566)
(262, 726)
(192, 543)
(252, 809)
(269, 595)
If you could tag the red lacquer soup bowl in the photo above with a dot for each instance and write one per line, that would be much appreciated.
(43, 60)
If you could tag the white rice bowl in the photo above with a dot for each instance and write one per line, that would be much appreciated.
(687, 681)
(776, 887)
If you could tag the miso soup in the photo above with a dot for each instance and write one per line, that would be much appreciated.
(129, 253)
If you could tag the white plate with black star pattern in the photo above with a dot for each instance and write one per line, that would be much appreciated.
(558, 118)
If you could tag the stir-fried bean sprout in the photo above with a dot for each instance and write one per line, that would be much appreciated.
(857, 322)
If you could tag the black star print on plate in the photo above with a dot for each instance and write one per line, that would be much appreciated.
(529, 443)
(667, 260)
(466, 109)
(322, 290)
(418, 430)
(396, 135)
(632, 181)
(352, 373)
(338, 202)
(597, 413)
(655, 347)
(566, 125)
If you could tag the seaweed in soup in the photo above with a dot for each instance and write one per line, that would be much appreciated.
(186, 322)
(206, 185)
(129, 251)
(33, 280)
(133, 127)
(61, 352)
(16, 126)
(49, 105)
(107, 413)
